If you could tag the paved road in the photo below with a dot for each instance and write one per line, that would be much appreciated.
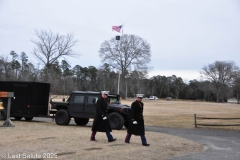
(219, 145)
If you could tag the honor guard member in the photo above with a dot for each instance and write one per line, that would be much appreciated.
(136, 125)
(101, 123)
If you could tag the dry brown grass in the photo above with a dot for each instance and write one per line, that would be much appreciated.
(181, 113)
(72, 142)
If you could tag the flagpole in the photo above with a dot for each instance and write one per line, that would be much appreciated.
(122, 29)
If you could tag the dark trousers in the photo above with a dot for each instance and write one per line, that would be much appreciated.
(108, 134)
(128, 137)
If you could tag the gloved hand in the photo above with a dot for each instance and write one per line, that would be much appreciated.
(134, 122)
(104, 118)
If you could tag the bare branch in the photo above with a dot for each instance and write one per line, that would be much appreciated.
(50, 47)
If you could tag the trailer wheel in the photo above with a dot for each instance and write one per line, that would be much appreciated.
(3, 115)
(116, 120)
(81, 121)
(62, 117)
(28, 118)
(18, 118)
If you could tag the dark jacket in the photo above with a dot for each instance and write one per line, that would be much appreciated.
(99, 124)
(136, 115)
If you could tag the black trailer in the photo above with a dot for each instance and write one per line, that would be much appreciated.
(31, 99)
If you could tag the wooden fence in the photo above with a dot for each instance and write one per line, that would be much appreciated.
(201, 124)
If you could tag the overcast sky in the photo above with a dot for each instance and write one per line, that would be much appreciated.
(184, 35)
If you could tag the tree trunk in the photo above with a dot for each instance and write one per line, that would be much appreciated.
(218, 94)
(237, 98)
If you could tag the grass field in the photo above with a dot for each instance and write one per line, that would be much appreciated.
(181, 113)
(72, 142)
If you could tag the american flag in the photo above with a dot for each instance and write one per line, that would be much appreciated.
(116, 28)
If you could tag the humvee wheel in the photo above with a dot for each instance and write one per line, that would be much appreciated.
(116, 120)
(3, 115)
(18, 118)
(28, 118)
(81, 121)
(62, 117)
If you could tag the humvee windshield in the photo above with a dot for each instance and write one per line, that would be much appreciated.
(113, 99)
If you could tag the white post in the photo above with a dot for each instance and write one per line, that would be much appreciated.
(118, 82)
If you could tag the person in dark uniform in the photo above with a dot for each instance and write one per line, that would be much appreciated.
(136, 125)
(101, 123)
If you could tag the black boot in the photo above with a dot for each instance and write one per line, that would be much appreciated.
(111, 140)
(92, 138)
(127, 139)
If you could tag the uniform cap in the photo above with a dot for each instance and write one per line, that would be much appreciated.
(105, 92)
(140, 95)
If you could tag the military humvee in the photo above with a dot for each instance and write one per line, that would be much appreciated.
(81, 105)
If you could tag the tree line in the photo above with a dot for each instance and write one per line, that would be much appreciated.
(64, 79)
(124, 70)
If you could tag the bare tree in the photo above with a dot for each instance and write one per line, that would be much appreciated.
(178, 83)
(24, 59)
(5, 68)
(15, 64)
(7, 71)
(131, 52)
(236, 84)
(220, 73)
(207, 88)
(23, 71)
(50, 47)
